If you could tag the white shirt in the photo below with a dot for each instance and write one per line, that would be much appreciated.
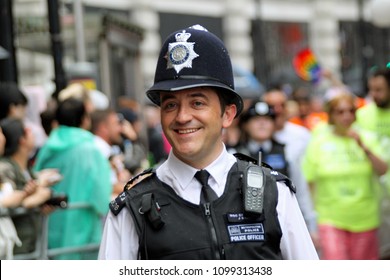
(120, 239)
(106, 151)
(5, 190)
(296, 139)
(103, 146)
(294, 135)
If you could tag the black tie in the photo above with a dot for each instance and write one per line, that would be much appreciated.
(207, 194)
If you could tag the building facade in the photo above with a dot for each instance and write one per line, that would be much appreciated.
(262, 36)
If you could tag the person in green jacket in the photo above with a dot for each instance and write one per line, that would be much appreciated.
(71, 149)
(375, 117)
(341, 165)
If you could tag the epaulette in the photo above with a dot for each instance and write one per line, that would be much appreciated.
(138, 178)
(119, 202)
(247, 158)
(283, 178)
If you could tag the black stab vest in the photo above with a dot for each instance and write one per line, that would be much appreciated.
(188, 231)
(276, 157)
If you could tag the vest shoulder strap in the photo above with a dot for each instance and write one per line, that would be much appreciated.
(279, 177)
(119, 202)
(250, 159)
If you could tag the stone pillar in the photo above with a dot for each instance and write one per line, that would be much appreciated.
(324, 35)
(144, 15)
(237, 29)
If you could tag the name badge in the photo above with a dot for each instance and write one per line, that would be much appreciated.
(246, 232)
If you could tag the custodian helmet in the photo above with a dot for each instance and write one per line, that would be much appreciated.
(258, 108)
(194, 57)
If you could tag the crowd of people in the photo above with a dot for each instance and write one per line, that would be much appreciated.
(337, 155)
(324, 167)
(86, 153)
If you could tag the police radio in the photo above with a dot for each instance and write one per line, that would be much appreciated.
(254, 188)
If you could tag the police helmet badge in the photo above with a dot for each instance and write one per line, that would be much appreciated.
(181, 53)
(194, 57)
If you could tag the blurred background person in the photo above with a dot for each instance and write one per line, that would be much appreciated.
(107, 128)
(20, 186)
(309, 113)
(133, 145)
(8, 235)
(14, 103)
(375, 117)
(71, 148)
(48, 120)
(77, 91)
(158, 146)
(342, 165)
(295, 138)
(231, 135)
(258, 126)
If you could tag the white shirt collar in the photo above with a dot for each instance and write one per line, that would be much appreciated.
(180, 176)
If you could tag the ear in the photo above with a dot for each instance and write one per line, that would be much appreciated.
(23, 139)
(228, 115)
(86, 122)
(12, 110)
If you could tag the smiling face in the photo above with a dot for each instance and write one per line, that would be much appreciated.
(192, 121)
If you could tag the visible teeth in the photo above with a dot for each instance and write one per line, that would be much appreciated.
(183, 131)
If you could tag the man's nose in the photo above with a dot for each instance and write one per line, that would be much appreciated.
(183, 114)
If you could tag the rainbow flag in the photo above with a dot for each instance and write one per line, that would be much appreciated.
(306, 66)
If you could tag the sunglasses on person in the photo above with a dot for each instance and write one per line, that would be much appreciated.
(343, 111)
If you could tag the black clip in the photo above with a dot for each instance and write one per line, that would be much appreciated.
(151, 209)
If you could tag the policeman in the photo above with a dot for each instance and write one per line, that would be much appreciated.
(258, 126)
(203, 202)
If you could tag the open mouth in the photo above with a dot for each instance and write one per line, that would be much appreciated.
(186, 131)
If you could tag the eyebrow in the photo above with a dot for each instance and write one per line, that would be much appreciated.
(168, 95)
(198, 94)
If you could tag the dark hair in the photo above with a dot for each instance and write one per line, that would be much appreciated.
(10, 94)
(98, 117)
(223, 99)
(47, 118)
(70, 112)
(384, 72)
(13, 130)
(130, 115)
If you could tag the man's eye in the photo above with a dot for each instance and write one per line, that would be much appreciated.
(198, 103)
(169, 106)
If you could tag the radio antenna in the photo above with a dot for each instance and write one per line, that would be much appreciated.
(259, 159)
